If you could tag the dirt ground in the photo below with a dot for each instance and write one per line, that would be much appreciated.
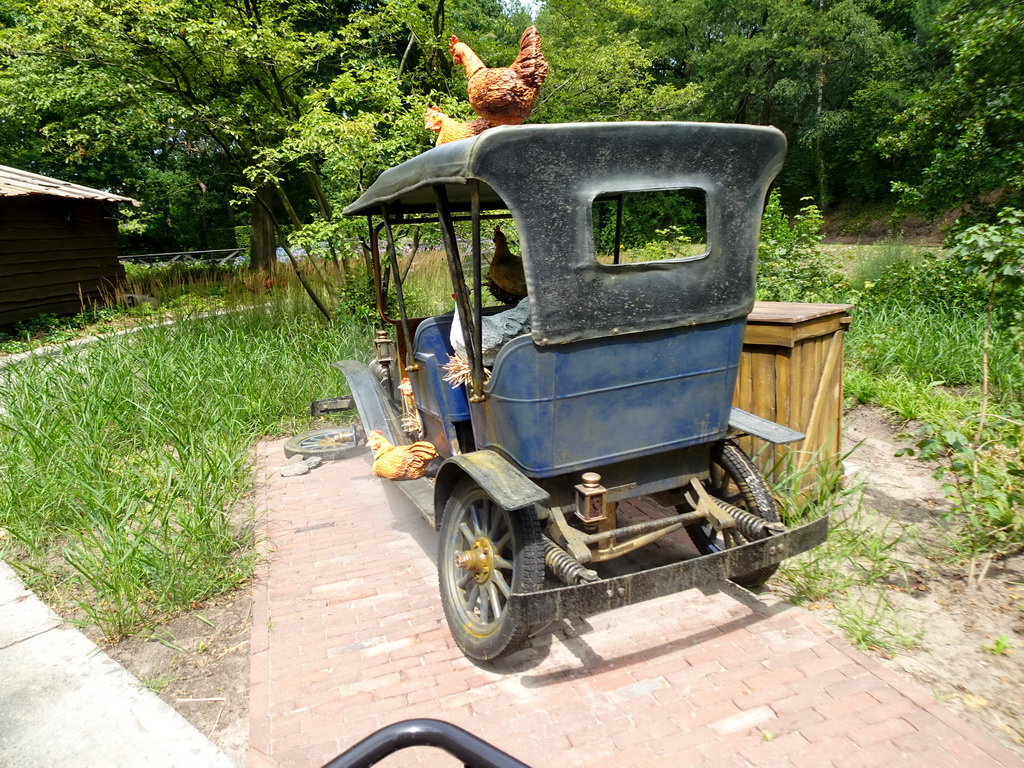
(971, 654)
(199, 662)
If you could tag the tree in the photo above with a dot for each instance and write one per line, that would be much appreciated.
(830, 73)
(826, 73)
(283, 95)
(601, 70)
(966, 131)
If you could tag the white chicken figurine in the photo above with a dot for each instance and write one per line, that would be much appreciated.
(497, 330)
(399, 462)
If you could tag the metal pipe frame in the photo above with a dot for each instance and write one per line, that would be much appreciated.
(477, 395)
(396, 274)
(462, 299)
(686, 518)
(470, 750)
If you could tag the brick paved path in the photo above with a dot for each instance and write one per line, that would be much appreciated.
(348, 636)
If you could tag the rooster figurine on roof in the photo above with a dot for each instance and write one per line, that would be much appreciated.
(504, 95)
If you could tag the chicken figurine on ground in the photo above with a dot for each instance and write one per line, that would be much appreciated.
(399, 462)
(449, 129)
(504, 95)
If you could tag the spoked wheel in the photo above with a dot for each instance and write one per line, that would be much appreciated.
(484, 554)
(329, 444)
(736, 480)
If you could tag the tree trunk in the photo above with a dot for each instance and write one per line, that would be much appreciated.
(262, 249)
(819, 152)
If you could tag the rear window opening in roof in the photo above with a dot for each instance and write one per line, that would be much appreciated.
(638, 227)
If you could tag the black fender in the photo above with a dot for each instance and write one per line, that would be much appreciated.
(507, 486)
(375, 409)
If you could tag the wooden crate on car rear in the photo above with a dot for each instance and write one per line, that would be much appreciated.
(791, 371)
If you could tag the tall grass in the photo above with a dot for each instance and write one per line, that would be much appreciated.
(428, 284)
(126, 462)
(157, 292)
(927, 346)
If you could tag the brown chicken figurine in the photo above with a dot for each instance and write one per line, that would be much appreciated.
(399, 462)
(450, 129)
(506, 279)
(504, 95)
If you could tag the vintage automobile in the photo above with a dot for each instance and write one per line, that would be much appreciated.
(621, 391)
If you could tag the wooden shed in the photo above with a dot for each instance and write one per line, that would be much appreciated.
(58, 245)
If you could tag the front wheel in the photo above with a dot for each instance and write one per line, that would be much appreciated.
(735, 479)
(485, 553)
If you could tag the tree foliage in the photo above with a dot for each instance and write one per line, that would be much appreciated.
(220, 113)
(300, 100)
(964, 132)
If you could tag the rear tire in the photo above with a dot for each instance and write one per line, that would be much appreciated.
(735, 479)
(485, 553)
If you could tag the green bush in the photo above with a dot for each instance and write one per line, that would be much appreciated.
(933, 280)
(983, 478)
(790, 265)
(994, 255)
(357, 298)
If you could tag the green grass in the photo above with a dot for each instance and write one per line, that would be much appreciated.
(919, 348)
(865, 263)
(428, 285)
(919, 342)
(167, 291)
(859, 552)
(878, 625)
(846, 573)
(127, 461)
(914, 347)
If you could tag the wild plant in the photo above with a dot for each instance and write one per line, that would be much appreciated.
(995, 253)
(984, 481)
(790, 264)
(981, 455)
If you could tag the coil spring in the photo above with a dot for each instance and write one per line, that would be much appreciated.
(750, 525)
(561, 563)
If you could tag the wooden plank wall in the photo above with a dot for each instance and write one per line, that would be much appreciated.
(56, 255)
(791, 371)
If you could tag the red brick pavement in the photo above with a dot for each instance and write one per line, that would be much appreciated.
(349, 636)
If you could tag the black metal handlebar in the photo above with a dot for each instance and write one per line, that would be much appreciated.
(473, 751)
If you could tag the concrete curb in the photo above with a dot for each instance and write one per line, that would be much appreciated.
(65, 702)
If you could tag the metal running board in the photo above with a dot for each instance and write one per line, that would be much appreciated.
(421, 493)
(742, 421)
(375, 410)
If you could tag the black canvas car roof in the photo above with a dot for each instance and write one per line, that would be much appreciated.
(548, 177)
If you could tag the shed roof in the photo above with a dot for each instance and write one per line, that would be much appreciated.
(16, 183)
